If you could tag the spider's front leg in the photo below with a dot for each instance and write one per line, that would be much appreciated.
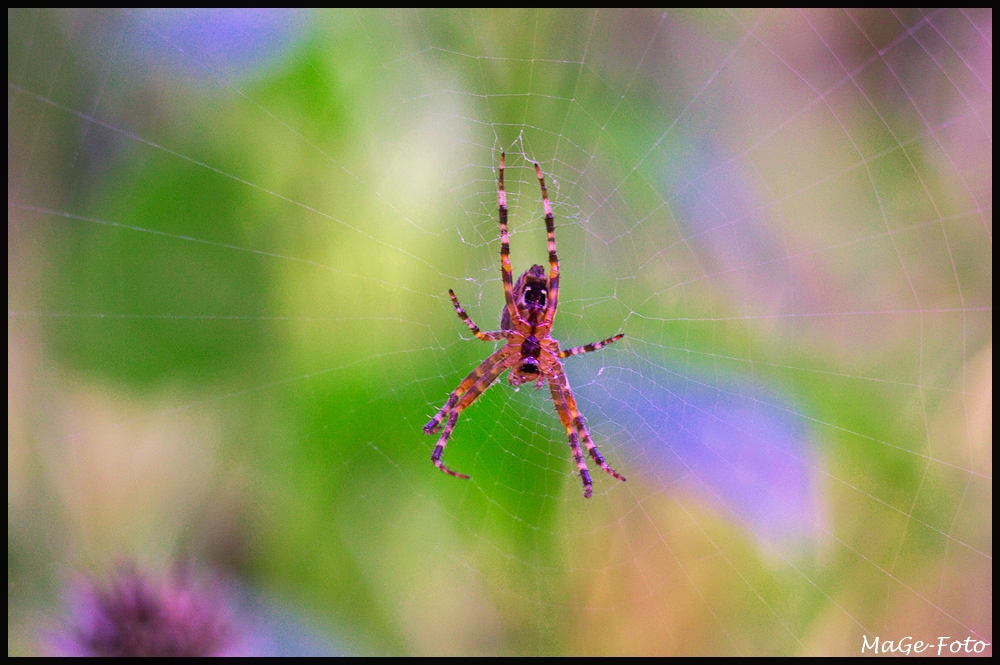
(559, 399)
(484, 377)
(439, 448)
(434, 425)
(572, 420)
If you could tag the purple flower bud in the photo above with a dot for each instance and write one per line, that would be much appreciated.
(133, 616)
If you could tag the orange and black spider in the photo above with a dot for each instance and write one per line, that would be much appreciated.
(531, 354)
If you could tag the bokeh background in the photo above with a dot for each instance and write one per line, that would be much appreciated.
(230, 240)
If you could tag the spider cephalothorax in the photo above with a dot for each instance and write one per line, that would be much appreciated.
(530, 352)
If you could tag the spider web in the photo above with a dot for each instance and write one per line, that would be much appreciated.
(230, 241)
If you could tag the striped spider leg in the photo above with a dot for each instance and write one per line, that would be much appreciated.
(529, 351)
(573, 421)
(464, 395)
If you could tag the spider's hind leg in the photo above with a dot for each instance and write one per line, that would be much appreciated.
(550, 230)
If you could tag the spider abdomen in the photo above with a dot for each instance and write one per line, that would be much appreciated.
(530, 297)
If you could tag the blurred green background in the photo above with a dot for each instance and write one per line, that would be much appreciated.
(230, 240)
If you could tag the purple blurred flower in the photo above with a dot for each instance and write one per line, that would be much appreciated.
(133, 616)
(738, 445)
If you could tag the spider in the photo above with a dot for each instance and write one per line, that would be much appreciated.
(530, 352)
